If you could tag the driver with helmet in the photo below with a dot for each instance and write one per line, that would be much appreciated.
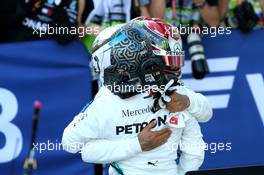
(136, 121)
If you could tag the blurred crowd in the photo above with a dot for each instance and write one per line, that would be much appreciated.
(65, 20)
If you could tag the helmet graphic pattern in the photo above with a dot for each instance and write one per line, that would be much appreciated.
(127, 55)
(129, 49)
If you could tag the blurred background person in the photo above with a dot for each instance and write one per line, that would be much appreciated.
(262, 5)
(105, 13)
(152, 8)
(244, 15)
(191, 11)
(86, 8)
(156, 8)
(208, 11)
(223, 8)
(38, 15)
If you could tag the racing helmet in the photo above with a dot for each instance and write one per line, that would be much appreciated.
(120, 58)
(166, 44)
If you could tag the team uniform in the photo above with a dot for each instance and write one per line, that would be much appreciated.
(106, 131)
(139, 54)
